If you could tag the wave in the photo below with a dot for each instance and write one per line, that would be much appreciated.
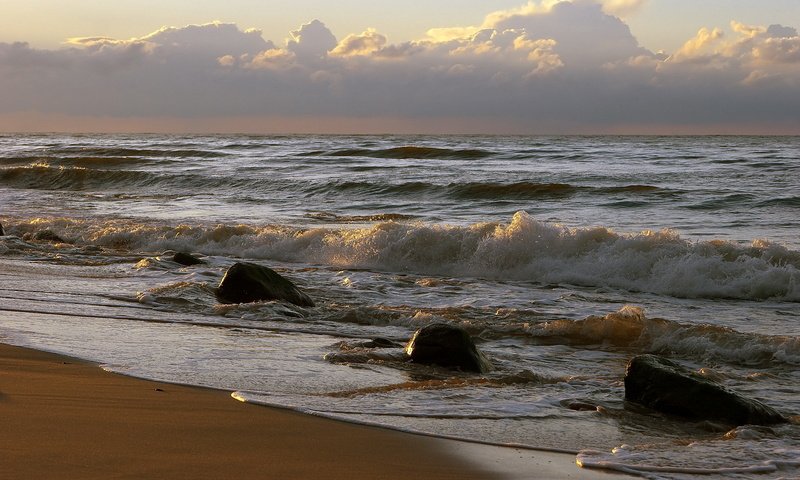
(781, 202)
(45, 177)
(723, 202)
(532, 190)
(82, 162)
(101, 173)
(42, 176)
(373, 188)
(378, 217)
(522, 250)
(135, 152)
(512, 190)
(630, 327)
(483, 190)
(407, 152)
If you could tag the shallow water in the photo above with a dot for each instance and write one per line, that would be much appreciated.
(563, 256)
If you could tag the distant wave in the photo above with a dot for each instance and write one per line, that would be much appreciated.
(482, 190)
(83, 161)
(722, 202)
(531, 190)
(373, 188)
(134, 152)
(782, 202)
(512, 190)
(103, 157)
(99, 174)
(78, 178)
(46, 177)
(377, 217)
(406, 152)
(524, 249)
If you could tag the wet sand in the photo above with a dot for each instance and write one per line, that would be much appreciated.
(64, 418)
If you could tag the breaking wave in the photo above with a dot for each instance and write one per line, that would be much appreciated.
(630, 327)
(524, 249)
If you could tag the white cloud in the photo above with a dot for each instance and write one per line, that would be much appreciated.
(586, 36)
(622, 8)
(755, 52)
(365, 43)
(700, 46)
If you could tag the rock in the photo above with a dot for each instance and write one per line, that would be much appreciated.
(2, 232)
(446, 346)
(48, 236)
(665, 386)
(186, 259)
(579, 405)
(379, 343)
(248, 282)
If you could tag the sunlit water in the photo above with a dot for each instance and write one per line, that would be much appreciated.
(563, 256)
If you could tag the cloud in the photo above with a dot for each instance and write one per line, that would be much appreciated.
(622, 8)
(586, 31)
(312, 41)
(753, 48)
(697, 46)
(209, 41)
(585, 35)
(550, 66)
(365, 43)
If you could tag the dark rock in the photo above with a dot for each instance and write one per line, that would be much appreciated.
(248, 282)
(446, 346)
(665, 386)
(186, 259)
(47, 236)
(2, 232)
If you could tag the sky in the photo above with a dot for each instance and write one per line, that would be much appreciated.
(444, 66)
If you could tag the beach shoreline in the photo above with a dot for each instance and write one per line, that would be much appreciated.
(68, 418)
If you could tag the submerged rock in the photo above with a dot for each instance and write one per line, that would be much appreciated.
(46, 236)
(446, 346)
(379, 342)
(186, 259)
(247, 282)
(665, 386)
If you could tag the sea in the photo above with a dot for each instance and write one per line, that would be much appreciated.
(562, 256)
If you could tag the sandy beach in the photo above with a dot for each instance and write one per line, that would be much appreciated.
(66, 418)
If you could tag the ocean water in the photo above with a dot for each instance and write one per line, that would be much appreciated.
(563, 256)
